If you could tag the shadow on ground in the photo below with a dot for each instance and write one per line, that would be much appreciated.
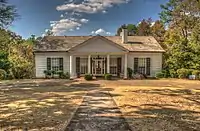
(182, 114)
(98, 112)
(42, 106)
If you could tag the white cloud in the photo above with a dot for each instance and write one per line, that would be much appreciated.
(75, 14)
(75, 10)
(77, 28)
(90, 6)
(108, 33)
(84, 20)
(101, 32)
(104, 11)
(64, 25)
(46, 30)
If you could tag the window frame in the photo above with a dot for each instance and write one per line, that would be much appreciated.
(141, 63)
(55, 63)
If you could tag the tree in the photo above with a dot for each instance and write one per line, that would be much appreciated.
(132, 29)
(181, 14)
(158, 31)
(144, 27)
(7, 13)
(182, 37)
(48, 33)
(119, 30)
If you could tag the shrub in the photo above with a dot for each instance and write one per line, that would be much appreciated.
(66, 75)
(48, 73)
(160, 75)
(88, 77)
(130, 72)
(107, 76)
(63, 75)
(10, 75)
(196, 73)
(166, 73)
(183, 73)
(53, 73)
(60, 74)
(2, 74)
(173, 73)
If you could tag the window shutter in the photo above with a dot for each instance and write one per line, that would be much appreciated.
(91, 66)
(61, 64)
(119, 65)
(48, 63)
(77, 64)
(106, 66)
(135, 65)
(148, 70)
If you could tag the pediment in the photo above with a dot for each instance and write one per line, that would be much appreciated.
(98, 44)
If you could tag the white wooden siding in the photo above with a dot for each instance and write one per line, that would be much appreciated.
(156, 61)
(41, 62)
(98, 46)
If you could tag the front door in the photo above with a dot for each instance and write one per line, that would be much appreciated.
(98, 66)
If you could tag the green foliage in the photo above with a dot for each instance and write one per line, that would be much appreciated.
(4, 62)
(88, 77)
(182, 49)
(107, 76)
(63, 75)
(20, 67)
(7, 13)
(53, 73)
(173, 73)
(160, 75)
(196, 73)
(163, 74)
(2, 74)
(132, 29)
(130, 72)
(48, 73)
(183, 73)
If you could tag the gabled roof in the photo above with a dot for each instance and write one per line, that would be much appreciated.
(65, 43)
(104, 39)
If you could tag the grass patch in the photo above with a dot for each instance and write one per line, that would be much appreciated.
(167, 104)
(41, 106)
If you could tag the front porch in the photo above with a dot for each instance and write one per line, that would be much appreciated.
(98, 65)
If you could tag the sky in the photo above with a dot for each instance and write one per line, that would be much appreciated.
(80, 17)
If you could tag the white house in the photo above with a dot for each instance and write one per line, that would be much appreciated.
(98, 55)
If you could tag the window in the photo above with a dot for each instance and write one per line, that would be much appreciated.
(55, 64)
(142, 65)
(83, 65)
(113, 66)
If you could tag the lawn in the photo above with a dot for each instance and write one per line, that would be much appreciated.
(48, 105)
(38, 104)
(158, 104)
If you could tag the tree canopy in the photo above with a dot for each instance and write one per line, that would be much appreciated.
(8, 13)
(178, 32)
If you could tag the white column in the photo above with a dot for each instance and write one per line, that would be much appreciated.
(89, 64)
(71, 67)
(125, 66)
(108, 64)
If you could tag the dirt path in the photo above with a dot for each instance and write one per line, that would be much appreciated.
(98, 112)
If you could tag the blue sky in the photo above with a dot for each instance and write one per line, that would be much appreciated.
(81, 17)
